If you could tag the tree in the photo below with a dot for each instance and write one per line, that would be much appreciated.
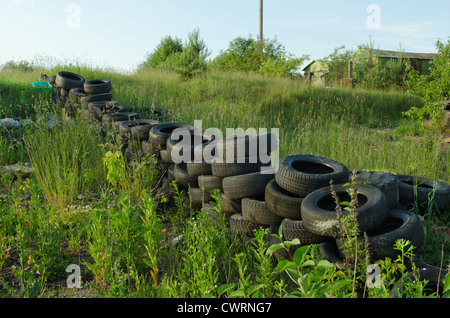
(192, 60)
(338, 62)
(251, 55)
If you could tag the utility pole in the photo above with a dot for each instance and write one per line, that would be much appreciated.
(261, 20)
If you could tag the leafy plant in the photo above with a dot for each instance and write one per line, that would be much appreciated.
(433, 88)
(268, 57)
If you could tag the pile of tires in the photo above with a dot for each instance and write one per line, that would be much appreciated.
(301, 194)
(63, 83)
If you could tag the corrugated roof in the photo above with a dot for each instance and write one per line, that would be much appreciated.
(422, 56)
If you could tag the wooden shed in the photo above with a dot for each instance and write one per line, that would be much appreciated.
(420, 61)
(316, 72)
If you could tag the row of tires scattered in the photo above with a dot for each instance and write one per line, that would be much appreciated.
(295, 198)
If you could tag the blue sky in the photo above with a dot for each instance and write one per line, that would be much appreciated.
(118, 33)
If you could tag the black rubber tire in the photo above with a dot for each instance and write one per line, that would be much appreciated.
(198, 197)
(386, 182)
(246, 185)
(303, 174)
(142, 131)
(165, 156)
(293, 229)
(209, 182)
(107, 109)
(320, 217)
(155, 113)
(198, 169)
(425, 188)
(229, 205)
(147, 150)
(126, 126)
(75, 95)
(64, 93)
(161, 133)
(241, 226)
(283, 203)
(183, 178)
(397, 225)
(108, 119)
(85, 100)
(69, 80)
(93, 106)
(257, 211)
(51, 79)
(97, 86)
(177, 145)
(330, 252)
(434, 276)
(228, 169)
(243, 146)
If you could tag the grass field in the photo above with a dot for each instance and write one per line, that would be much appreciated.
(119, 234)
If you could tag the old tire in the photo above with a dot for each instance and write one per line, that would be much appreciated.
(293, 229)
(197, 169)
(184, 179)
(283, 203)
(85, 100)
(69, 80)
(97, 86)
(110, 118)
(386, 182)
(245, 166)
(246, 185)
(242, 146)
(142, 130)
(100, 111)
(303, 174)
(209, 182)
(198, 197)
(257, 211)
(320, 217)
(182, 150)
(397, 225)
(241, 226)
(426, 189)
(229, 205)
(160, 133)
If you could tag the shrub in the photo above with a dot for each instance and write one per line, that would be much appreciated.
(268, 57)
(187, 60)
(433, 88)
(162, 53)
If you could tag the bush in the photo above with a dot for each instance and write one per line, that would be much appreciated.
(162, 53)
(171, 55)
(268, 57)
(433, 88)
(22, 66)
